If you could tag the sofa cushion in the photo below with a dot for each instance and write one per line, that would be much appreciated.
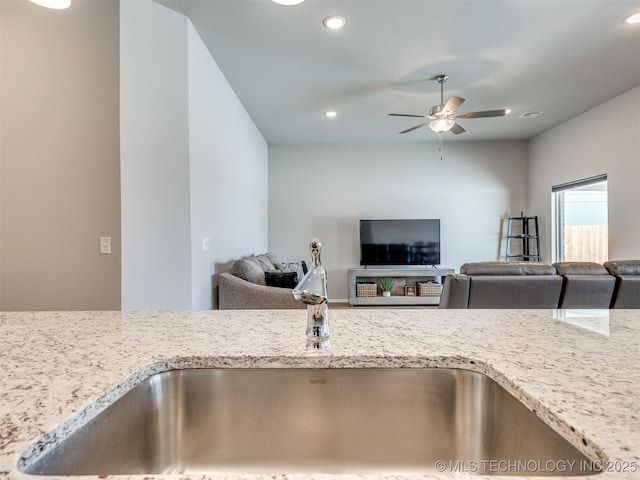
(587, 291)
(623, 267)
(627, 292)
(505, 291)
(278, 278)
(248, 269)
(273, 259)
(264, 261)
(507, 268)
(580, 268)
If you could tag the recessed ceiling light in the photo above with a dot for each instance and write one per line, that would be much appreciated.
(330, 113)
(288, 2)
(633, 18)
(334, 22)
(55, 4)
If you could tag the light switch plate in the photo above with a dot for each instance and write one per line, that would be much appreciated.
(105, 245)
(205, 244)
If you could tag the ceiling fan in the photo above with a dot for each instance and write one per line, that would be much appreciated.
(442, 118)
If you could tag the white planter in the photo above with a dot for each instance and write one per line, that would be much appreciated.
(386, 294)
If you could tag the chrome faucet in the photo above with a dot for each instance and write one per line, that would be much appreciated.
(312, 291)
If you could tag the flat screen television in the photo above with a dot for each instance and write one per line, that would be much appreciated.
(400, 242)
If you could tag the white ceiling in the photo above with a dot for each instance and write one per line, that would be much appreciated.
(561, 57)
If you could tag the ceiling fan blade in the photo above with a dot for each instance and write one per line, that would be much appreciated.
(415, 128)
(486, 113)
(452, 104)
(457, 129)
(404, 115)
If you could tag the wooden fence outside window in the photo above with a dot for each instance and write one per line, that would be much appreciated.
(586, 243)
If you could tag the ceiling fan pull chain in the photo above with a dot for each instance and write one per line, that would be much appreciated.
(440, 148)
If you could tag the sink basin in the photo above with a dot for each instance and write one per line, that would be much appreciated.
(382, 421)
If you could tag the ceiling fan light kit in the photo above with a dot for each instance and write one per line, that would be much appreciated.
(440, 125)
(442, 117)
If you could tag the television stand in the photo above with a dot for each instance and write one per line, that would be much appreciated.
(404, 275)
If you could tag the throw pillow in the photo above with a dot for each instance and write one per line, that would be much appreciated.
(248, 269)
(273, 259)
(265, 262)
(278, 278)
(299, 267)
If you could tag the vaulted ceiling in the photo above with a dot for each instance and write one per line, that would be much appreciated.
(559, 57)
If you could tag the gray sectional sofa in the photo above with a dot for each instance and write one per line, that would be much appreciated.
(244, 286)
(615, 284)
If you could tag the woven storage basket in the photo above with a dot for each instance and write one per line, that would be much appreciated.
(429, 289)
(366, 289)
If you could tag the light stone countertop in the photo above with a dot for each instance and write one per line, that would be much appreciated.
(583, 381)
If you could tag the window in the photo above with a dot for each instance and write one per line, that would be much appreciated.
(580, 227)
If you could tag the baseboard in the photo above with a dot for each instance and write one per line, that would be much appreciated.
(338, 300)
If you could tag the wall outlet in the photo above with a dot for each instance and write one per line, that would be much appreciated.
(105, 245)
(205, 244)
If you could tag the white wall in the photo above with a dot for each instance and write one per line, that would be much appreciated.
(323, 190)
(605, 139)
(156, 256)
(228, 171)
(59, 184)
(193, 164)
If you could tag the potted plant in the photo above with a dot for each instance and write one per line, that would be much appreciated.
(386, 284)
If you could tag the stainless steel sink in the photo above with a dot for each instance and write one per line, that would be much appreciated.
(382, 421)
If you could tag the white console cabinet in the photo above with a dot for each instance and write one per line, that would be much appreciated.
(403, 276)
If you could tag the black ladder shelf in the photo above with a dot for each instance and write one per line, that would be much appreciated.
(528, 234)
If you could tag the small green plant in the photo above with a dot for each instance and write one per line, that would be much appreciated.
(386, 284)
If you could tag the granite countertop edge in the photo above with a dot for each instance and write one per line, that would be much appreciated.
(479, 360)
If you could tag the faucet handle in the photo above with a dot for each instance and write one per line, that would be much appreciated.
(315, 247)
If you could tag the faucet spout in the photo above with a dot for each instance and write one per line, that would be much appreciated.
(312, 291)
